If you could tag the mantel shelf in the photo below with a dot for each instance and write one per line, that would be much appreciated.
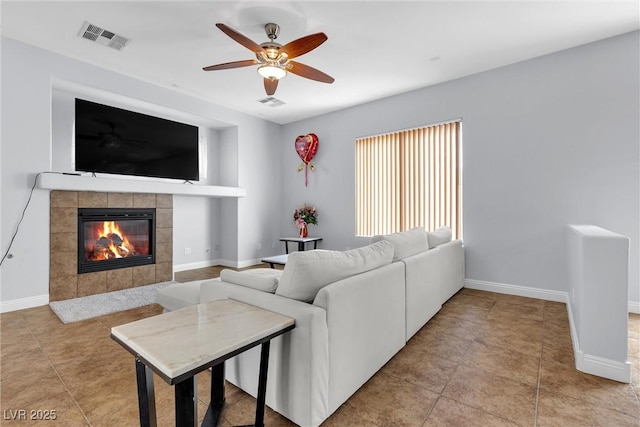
(69, 182)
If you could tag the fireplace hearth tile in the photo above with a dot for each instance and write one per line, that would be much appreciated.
(144, 200)
(92, 199)
(64, 220)
(64, 242)
(164, 201)
(63, 264)
(119, 200)
(144, 275)
(164, 271)
(164, 218)
(92, 283)
(164, 235)
(64, 280)
(63, 287)
(64, 199)
(164, 252)
(119, 279)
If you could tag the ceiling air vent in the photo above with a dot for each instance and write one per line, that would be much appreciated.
(271, 101)
(102, 36)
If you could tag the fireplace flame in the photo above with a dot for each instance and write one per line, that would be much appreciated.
(112, 242)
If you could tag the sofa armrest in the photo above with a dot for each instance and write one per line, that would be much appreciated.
(451, 263)
(297, 385)
(366, 322)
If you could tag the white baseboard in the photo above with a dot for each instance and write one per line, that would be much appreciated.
(228, 263)
(211, 263)
(525, 291)
(195, 265)
(588, 363)
(595, 365)
(22, 303)
(522, 291)
(238, 264)
(249, 263)
(606, 368)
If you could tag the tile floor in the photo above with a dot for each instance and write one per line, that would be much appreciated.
(484, 360)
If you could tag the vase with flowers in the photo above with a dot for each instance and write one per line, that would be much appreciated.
(304, 216)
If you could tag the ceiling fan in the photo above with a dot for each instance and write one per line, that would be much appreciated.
(275, 60)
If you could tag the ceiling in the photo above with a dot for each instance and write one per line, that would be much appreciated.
(375, 49)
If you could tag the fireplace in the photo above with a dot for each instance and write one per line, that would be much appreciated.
(111, 238)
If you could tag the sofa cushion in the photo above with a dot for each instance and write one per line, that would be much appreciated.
(405, 243)
(439, 236)
(309, 271)
(261, 279)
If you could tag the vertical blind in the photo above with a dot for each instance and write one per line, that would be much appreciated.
(409, 179)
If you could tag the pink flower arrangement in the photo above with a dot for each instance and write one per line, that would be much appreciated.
(305, 215)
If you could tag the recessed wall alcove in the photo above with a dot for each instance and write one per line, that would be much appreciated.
(64, 280)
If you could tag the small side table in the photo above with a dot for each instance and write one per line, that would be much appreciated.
(276, 260)
(179, 344)
(301, 242)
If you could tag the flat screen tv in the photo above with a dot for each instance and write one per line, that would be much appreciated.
(116, 141)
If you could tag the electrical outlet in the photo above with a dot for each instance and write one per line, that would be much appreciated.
(259, 246)
(187, 251)
(273, 245)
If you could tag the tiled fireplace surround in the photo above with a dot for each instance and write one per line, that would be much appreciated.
(64, 280)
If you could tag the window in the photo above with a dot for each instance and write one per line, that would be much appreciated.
(409, 179)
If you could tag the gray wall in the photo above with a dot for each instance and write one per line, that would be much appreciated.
(29, 76)
(546, 142)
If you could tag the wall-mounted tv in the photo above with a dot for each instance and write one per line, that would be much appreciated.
(116, 141)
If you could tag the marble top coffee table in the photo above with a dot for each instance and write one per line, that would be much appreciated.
(178, 345)
(276, 260)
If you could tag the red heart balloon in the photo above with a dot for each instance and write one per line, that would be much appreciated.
(306, 147)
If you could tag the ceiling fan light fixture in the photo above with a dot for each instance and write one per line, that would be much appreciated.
(273, 59)
(270, 71)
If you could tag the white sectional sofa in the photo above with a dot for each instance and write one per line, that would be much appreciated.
(432, 276)
(354, 311)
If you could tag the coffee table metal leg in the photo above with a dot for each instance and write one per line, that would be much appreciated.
(262, 384)
(217, 384)
(212, 417)
(146, 395)
(186, 403)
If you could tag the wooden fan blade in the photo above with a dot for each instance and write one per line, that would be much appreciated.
(303, 45)
(308, 72)
(234, 64)
(270, 86)
(244, 41)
